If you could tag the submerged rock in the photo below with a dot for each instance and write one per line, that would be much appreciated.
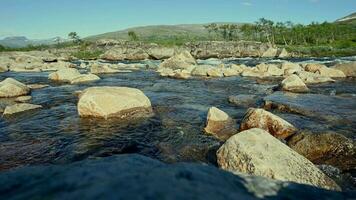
(13, 88)
(141, 177)
(293, 84)
(326, 148)
(349, 69)
(119, 102)
(21, 107)
(85, 78)
(201, 70)
(181, 60)
(220, 124)
(23, 99)
(37, 86)
(259, 118)
(245, 100)
(102, 69)
(258, 153)
(65, 75)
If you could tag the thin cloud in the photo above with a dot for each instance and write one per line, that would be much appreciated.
(246, 3)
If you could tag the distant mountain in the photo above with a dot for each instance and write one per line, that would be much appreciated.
(350, 19)
(158, 31)
(21, 41)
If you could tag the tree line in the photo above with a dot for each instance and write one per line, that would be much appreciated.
(285, 33)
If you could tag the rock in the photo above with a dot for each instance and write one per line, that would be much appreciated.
(258, 153)
(182, 74)
(215, 72)
(270, 53)
(330, 72)
(294, 84)
(259, 118)
(283, 54)
(23, 99)
(119, 102)
(229, 72)
(13, 88)
(252, 72)
(37, 86)
(166, 72)
(219, 124)
(326, 148)
(3, 68)
(160, 53)
(182, 60)
(141, 177)
(274, 70)
(349, 69)
(135, 52)
(18, 108)
(65, 75)
(244, 100)
(290, 68)
(239, 68)
(85, 78)
(313, 67)
(102, 69)
(332, 109)
(312, 78)
(201, 70)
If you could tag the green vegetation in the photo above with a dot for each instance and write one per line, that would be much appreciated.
(87, 54)
(74, 37)
(133, 36)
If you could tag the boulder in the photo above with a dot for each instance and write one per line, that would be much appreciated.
(125, 53)
(13, 88)
(102, 69)
(201, 70)
(313, 67)
(181, 74)
(349, 69)
(330, 72)
(3, 68)
(284, 54)
(293, 84)
(140, 177)
(219, 124)
(85, 78)
(326, 148)
(65, 75)
(274, 70)
(312, 78)
(290, 68)
(239, 68)
(118, 102)
(160, 53)
(23, 99)
(229, 72)
(20, 107)
(215, 72)
(258, 153)
(37, 86)
(166, 72)
(181, 60)
(244, 100)
(259, 118)
(270, 53)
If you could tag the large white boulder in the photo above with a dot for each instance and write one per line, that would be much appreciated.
(181, 60)
(65, 75)
(294, 84)
(13, 88)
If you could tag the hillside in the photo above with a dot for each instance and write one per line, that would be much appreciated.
(21, 41)
(350, 19)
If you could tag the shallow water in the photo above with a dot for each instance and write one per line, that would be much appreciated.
(56, 134)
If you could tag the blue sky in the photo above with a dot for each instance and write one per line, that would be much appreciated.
(49, 18)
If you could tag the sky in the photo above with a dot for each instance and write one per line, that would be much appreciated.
(40, 19)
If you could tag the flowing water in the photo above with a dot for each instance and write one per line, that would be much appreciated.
(56, 134)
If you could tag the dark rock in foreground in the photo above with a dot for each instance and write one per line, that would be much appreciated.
(138, 177)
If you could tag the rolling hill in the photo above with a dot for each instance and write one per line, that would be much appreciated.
(350, 19)
(21, 41)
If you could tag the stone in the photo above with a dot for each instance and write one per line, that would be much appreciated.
(313, 67)
(85, 78)
(118, 53)
(284, 54)
(293, 84)
(239, 68)
(160, 53)
(13, 88)
(37, 86)
(325, 148)
(19, 108)
(181, 74)
(141, 177)
(270, 53)
(118, 102)
(201, 70)
(181, 60)
(256, 152)
(166, 72)
(259, 118)
(244, 100)
(290, 68)
(274, 70)
(64, 75)
(312, 78)
(215, 72)
(102, 69)
(23, 99)
(330, 72)
(349, 69)
(219, 124)
(227, 72)
(3, 68)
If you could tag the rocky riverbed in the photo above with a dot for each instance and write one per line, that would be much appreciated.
(184, 110)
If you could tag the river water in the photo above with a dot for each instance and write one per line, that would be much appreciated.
(56, 134)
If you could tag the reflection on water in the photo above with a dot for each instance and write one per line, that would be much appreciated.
(55, 134)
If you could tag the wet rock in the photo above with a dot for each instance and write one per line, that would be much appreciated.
(293, 84)
(219, 124)
(254, 73)
(259, 118)
(141, 177)
(245, 100)
(330, 72)
(239, 68)
(313, 67)
(181, 60)
(229, 72)
(270, 53)
(64, 75)
(290, 68)
(181, 74)
(23, 99)
(333, 109)
(201, 70)
(312, 78)
(85, 78)
(258, 153)
(274, 70)
(37, 86)
(118, 102)
(284, 54)
(165, 72)
(326, 148)
(20, 107)
(349, 69)
(102, 69)
(215, 72)
(13, 88)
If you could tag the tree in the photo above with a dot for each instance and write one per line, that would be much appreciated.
(75, 37)
(132, 35)
(2, 48)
